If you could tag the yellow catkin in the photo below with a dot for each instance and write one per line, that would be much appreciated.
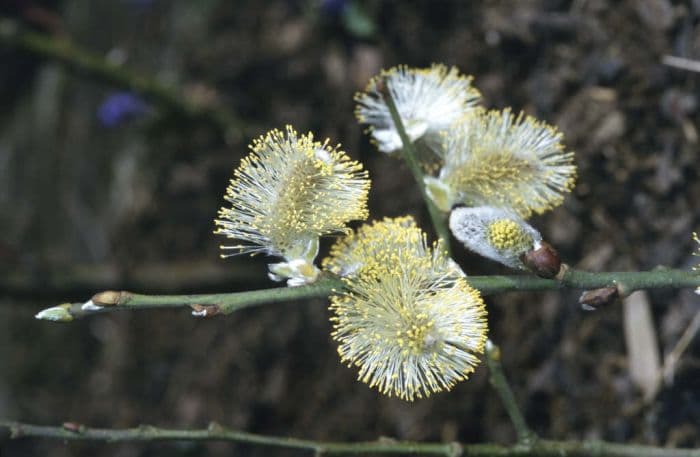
(496, 158)
(427, 99)
(408, 318)
(291, 189)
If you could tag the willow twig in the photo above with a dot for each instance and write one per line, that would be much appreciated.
(409, 154)
(542, 448)
(499, 382)
(204, 305)
(59, 49)
(625, 281)
(226, 303)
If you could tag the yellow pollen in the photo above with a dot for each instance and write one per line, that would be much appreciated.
(506, 234)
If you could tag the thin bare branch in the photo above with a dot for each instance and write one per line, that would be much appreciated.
(542, 448)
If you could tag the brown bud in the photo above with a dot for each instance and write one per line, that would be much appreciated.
(111, 298)
(205, 310)
(544, 261)
(591, 300)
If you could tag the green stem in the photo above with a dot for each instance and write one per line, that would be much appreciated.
(215, 432)
(499, 382)
(75, 58)
(227, 303)
(409, 154)
(626, 281)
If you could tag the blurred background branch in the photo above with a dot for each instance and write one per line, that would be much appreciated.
(62, 50)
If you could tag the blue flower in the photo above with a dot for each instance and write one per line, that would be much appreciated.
(333, 7)
(119, 107)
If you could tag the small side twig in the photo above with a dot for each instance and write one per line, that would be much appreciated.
(499, 382)
(409, 154)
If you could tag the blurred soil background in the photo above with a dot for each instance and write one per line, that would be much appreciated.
(102, 189)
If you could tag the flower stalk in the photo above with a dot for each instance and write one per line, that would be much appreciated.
(409, 154)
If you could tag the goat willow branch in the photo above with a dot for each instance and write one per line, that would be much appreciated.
(13, 35)
(215, 432)
(226, 303)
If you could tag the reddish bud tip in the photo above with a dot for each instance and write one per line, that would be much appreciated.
(591, 300)
(544, 261)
